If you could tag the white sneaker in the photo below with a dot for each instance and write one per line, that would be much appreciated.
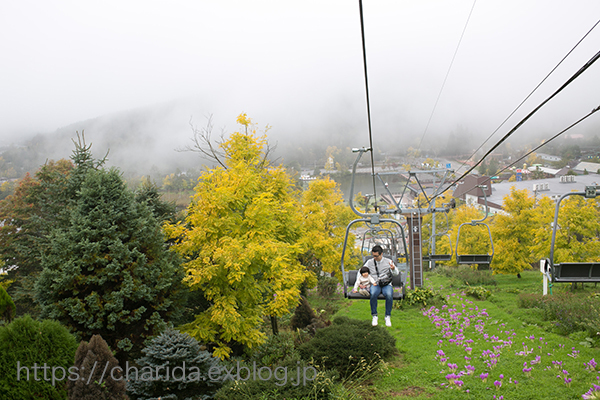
(388, 320)
(374, 323)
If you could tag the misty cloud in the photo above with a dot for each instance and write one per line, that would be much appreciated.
(296, 66)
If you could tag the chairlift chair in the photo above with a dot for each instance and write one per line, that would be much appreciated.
(433, 256)
(437, 256)
(375, 234)
(572, 272)
(389, 241)
(480, 259)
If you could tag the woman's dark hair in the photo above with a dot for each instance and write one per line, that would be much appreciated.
(364, 269)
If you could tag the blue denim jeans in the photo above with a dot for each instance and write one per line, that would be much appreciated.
(388, 293)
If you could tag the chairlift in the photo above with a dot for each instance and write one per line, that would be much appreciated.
(572, 272)
(480, 259)
(432, 256)
(393, 242)
(390, 242)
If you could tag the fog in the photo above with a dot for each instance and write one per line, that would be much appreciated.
(132, 74)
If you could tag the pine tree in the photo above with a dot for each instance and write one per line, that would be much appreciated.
(108, 272)
(303, 316)
(179, 368)
(148, 193)
(100, 376)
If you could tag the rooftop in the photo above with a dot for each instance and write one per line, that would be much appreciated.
(556, 188)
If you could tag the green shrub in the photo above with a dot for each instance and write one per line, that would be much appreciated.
(344, 344)
(420, 297)
(478, 292)
(466, 275)
(530, 300)
(566, 311)
(7, 306)
(318, 385)
(26, 342)
(571, 313)
(277, 349)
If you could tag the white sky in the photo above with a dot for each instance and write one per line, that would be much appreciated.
(294, 63)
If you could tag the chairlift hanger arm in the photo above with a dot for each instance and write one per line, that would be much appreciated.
(373, 220)
(472, 224)
(344, 251)
(421, 186)
(360, 152)
(478, 221)
(390, 193)
(442, 181)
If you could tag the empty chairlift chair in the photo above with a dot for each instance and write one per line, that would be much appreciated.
(481, 259)
(433, 256)
(568, 271)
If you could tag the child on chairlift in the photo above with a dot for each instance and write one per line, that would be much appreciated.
(363, 282)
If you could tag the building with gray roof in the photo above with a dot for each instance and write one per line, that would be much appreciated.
(587, 166)
(551, 187)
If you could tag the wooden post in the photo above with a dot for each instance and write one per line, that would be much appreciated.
(416, 255)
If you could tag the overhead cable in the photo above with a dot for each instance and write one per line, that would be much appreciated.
(364, 49)
(446, 77)
(531, 93)
(560, 89)
(551, 139)
(540, 146)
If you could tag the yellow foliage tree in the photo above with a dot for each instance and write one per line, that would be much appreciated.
(325, 220)
(512, 233)
(241, 241)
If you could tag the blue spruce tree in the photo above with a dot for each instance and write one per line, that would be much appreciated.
(178, 370)
(108, 271)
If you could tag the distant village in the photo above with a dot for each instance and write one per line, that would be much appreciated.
(540, 179)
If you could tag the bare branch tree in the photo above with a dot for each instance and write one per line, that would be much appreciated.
(211, 150)
(204, 145)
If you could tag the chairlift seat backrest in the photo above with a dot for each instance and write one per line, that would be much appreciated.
(439, 257)
(474, 259)
(577, 272)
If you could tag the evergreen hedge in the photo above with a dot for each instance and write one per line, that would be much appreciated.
(25, 344)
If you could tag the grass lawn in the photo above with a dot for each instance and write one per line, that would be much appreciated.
(445, 349)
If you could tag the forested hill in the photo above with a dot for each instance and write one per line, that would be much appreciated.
(144, 141)
(137, 140)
